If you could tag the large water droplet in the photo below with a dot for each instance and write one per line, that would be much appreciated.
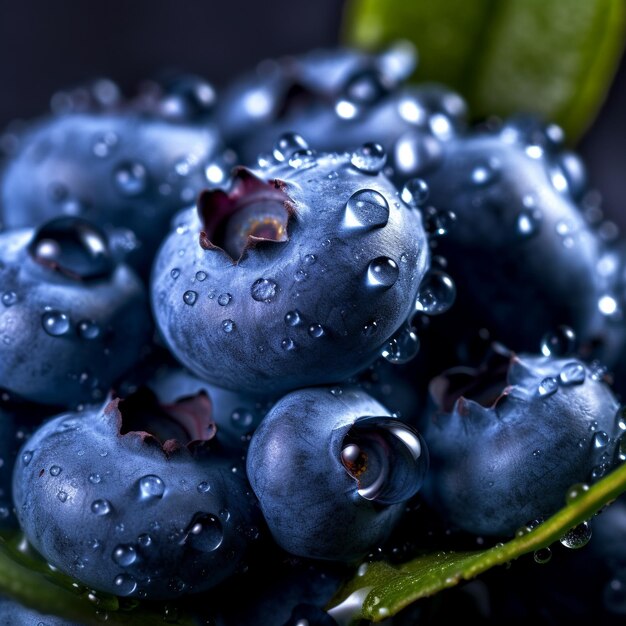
(287, 144)
(577, 537)
(572, 374)
(436, 294)
(382, 273)
(264, 290)
(561, 342)
(369, 158)
(125, 585)
(293, 318)
(600, 440)
(204, 533)
(131, 178)
(547, 387)
(101, 507)
(190, 297)
(124, 555)
(402, 347)
(55, 323)
(316, 331)
(386, 457)
(150, 487)
(415, 192)
(366, 209)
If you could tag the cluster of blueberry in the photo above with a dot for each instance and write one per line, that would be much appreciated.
(303, 293)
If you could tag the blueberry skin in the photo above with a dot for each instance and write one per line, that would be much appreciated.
(298, 311)
(14, 614)
(311, 503)
(121, 169)
(124, 513)
(340, 99)
(236, 415)
(544, 424)
(519, 238)
(68, 331)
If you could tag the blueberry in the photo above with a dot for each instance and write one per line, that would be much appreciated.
(506, 441)
(131, 499)
(332, 471)
(299, 274)
(342, 99)
(236, 415)
(519, 238)
(72, 321)
(122, 170)
(14, 614)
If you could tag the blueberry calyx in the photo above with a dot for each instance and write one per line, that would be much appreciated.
(252, 212)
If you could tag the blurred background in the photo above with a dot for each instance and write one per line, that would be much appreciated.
(47, 45)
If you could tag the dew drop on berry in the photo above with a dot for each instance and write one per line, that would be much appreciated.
(542, 556)
(124, 585)
(62, 496)
(572, 374)
(577, 537)
(204, 533)
(151, 487)
(175, 273)
(200, 276)
(402, 347)
(316, 331)
(436, 294)
(370, 158)
(547, 387)
(224, 299)
(288, 344)
(190, 297)
(621, 448)
(415, 192)
(88, 329)
(302, 159)
(55, 323)
(104, 144)
(264, 290)
(560, 342)
(101, 507)
(387, 459)
(131, 178)
(95, 478)
(600, 440)
(228, 326)
(124, 555)
(293, 318)
(9, 298)
(55, 470)
(203, 487)
(382, 273)
(366, 209)
(287, 145)
(528, 223)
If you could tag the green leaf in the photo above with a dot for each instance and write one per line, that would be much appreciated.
(555, 58)
(380, 590)
(28, 580)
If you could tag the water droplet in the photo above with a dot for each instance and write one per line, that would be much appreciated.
(621, 448)
(575, 492)
(402, 347)
(561, 342)
(607, 305)
(369, 158)
(287, 145)
(415, 192)
(104, 144)
(175, 273)
(131, 178)
(228, 326)
(366, 209)
(62, 496)
(547, 387)
(55, 323)
(203, 487)
(302, 159)
(600, 440)
(144, 540)
(288, 344)
(316, 331)
(264, 290)
(190, 297)
(386, 458)
(55, 470)
(310, 259)
(436, 294)
(95, 478)
(101, 507)
(88, 329)
(151, 487)
(300, 276)
(572, 374)
(293, 318)
(224, 299)
(382, 273)
(482, 175)
(124, 555)
(528, 223)
(577, 537)
(124, 585)
(200, 276)
(542, 556)
(204, 533)
(9, 298)
(370, 328)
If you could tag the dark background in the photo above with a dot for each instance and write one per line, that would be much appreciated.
(49, 44)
